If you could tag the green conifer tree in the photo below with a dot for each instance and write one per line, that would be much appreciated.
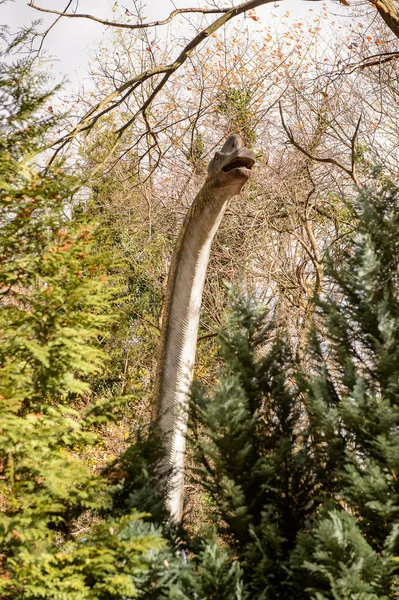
(255, 461)
(57, 537)
(353, 407)
(300, 468)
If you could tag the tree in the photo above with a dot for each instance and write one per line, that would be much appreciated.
(57, 535)
(254, 459)
(161, 73)
(299, 468)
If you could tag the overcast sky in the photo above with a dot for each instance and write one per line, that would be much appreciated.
(72, 40)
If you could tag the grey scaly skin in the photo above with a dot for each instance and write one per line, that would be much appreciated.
(228, 171)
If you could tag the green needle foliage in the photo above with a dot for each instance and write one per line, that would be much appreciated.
(353, 407)
(255, 459)
(300, 467)
(57, 538)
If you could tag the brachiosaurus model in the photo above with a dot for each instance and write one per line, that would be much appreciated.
(228, 171)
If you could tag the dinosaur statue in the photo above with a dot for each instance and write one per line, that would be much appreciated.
(228, 171)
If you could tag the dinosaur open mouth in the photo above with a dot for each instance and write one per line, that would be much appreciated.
(239, 162)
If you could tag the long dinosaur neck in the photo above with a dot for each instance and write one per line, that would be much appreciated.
(180, 329)
(227, 173)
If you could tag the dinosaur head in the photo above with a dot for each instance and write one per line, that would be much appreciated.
(231, 167)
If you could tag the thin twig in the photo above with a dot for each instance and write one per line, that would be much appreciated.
(89, 118)
(319, 159)
(148, 321)
(45, 33)
(353, 147)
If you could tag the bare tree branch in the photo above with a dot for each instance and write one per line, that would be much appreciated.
(374, 60)
(386, 9)
(45, 33)
(319, 159)
(173, 14)
(90, 118)
(206, 336)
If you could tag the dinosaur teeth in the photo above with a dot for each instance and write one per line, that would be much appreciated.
(237, 163)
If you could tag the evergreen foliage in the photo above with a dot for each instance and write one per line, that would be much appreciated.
(256, 462)
(57, 537)
(300, 468)
(353, 405)
(234, 103)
